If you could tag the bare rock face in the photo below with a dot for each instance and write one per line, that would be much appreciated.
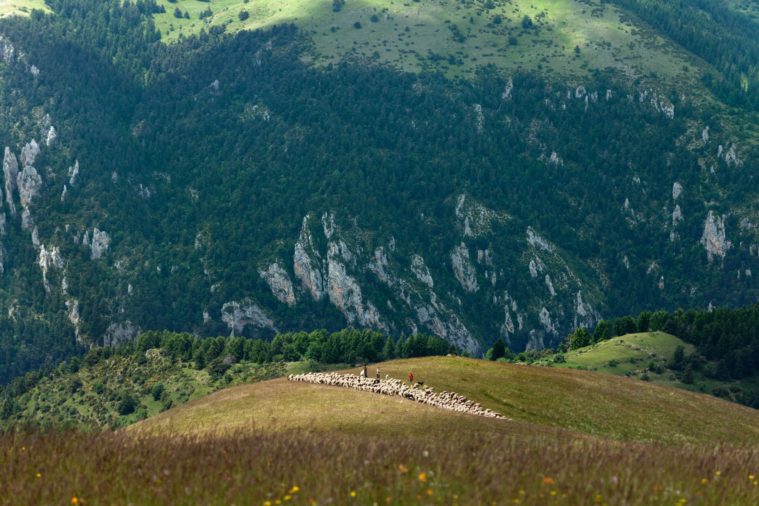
(446, 324)
(420, 270)
(546, 322)
(508, 90)
(99, 244)
(73, 173)
(714, 238)
(238, 315)
(10, 174)
(463, 269)
(72, 309)
(29, 184)
(476, 219)
(584, 314)
(379, 265)
(345, 293)
(279, 283)
(29, 153)
(677, 190)
(307, 268)
(677, 217)
(48, 258)
(52, 135)
(7, 51)
(118, 333)
(536, 241)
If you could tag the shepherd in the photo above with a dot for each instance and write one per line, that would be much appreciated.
(364, 372)
(378, 373)
(411, 377)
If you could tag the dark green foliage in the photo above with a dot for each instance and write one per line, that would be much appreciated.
(157, 391)
(243, 15)
(678, 358)
(729, 338)
(727, 39)
(127, 404)
(498, 350)
(579, 339)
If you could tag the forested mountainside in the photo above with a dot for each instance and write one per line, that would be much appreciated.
(224, 183)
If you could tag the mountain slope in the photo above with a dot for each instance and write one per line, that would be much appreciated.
(456, 37)
(223, 184)
(609, 406)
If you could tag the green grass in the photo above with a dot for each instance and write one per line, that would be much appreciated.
(20, 7)
(647, 356)
(406, 33)
(549, 398)
(632, 354)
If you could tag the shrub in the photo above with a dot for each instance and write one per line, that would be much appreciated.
(157, 391)
(127, 405)
(243, 15)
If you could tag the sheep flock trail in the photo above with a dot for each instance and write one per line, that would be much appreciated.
(395, 387)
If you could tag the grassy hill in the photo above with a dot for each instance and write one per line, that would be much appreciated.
(20, 7)
(582, 402)
(275, 442)
(563, 38)
(648, 356)
(457, 36)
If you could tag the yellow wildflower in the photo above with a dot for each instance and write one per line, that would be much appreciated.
(423, 477)
(553, 493)
(353, 493)
(287, 497)
(38, 475)
(402, 468)
(429, 492)
(704, 481)
(267, 503)
(295, 489)
(547, 480)
(75, 501)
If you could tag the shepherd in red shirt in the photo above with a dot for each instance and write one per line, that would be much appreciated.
(411, 377)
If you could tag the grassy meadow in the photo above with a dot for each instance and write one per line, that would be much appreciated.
(268, 468)
(22, 7)
(572, 437)
(456, 37)
(647, 356)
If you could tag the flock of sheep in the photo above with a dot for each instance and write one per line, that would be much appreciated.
(390, 386)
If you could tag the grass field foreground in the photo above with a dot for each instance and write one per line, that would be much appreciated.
(416, 468)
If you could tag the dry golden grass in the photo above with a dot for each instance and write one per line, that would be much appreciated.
(280, 405)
